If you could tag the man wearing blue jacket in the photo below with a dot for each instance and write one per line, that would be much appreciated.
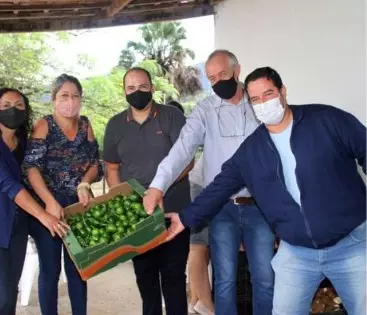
(300, 166)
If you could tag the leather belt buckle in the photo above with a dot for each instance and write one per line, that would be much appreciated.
(241, 201)
(235, 201)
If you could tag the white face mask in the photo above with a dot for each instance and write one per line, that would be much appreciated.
(270, 112)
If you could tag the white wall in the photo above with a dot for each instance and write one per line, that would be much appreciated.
(317, 46)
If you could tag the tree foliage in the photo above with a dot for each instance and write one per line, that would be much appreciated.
(163, 42)
(27, 63)
(104, 95)
(23, 58)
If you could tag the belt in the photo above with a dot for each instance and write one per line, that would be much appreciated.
(241, 201)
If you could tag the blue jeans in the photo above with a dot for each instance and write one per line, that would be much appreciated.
(11, 264)
(299, 271)
(233, 225)
(49, 254)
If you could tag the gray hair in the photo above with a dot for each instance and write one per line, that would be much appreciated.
(61, 80)
(231, 56)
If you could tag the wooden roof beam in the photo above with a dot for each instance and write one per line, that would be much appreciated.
(41, 25)
(54, 7)
(116, 6)
(16, 17)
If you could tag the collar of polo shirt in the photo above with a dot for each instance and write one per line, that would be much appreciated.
(153, 112)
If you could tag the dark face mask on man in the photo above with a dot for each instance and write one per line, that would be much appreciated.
(13, 117)
(139, 99)
(226, 89)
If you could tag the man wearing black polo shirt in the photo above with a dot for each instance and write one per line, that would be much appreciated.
(136, 141)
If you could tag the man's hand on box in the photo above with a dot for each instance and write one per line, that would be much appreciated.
(176, 226)
(152, 198)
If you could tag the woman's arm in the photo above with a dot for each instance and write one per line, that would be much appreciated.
(25, 201)
(33, 162)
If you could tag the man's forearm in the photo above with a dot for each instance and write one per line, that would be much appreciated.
(210, 202)
(171, 168)
(113, 178)
(182, 152)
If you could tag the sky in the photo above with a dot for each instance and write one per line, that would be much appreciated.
(104, 45)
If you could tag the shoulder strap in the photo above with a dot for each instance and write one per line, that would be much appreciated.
(50, 122)
(84, 125)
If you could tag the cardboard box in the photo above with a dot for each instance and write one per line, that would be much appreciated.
(91, 261)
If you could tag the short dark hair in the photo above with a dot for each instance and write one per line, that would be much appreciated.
(61, 80)
(177, 105)
(138, 69)
(264, 72)
(24, 130)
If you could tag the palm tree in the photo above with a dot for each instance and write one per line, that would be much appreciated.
(162, 42)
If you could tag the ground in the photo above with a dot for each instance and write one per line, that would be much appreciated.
(111, 293)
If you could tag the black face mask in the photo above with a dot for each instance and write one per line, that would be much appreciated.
(139, 99)
(226, 89)
(12, 117)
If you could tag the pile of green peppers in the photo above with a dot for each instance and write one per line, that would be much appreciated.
(108, 222)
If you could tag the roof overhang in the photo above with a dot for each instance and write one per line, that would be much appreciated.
(38, 15)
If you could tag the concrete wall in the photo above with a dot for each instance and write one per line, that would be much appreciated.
(317, 46)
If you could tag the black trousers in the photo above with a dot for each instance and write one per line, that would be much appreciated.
(11, 264)
(163, 270)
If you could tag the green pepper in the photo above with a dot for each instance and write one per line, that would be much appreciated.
(129, 231)
(136, 206)
(96, 213)
(132, 219)
(119, 210)
(116, 237)
(118, 199)
(110, 204)
(79, 225)
(127, 204)
(95, 237)
(95, 232)
(105, 217)
(103, 240)
(134, 197)
(92, 242)
(96, 223)
(82, 232)
(143, 215)
(110, 228)
(120, 229)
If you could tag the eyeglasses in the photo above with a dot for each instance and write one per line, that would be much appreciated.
(230, 125)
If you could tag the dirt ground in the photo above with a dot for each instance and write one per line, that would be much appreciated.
(111, 293)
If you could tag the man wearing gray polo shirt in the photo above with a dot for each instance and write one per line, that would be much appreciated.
(136, 141)
(221, 122)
